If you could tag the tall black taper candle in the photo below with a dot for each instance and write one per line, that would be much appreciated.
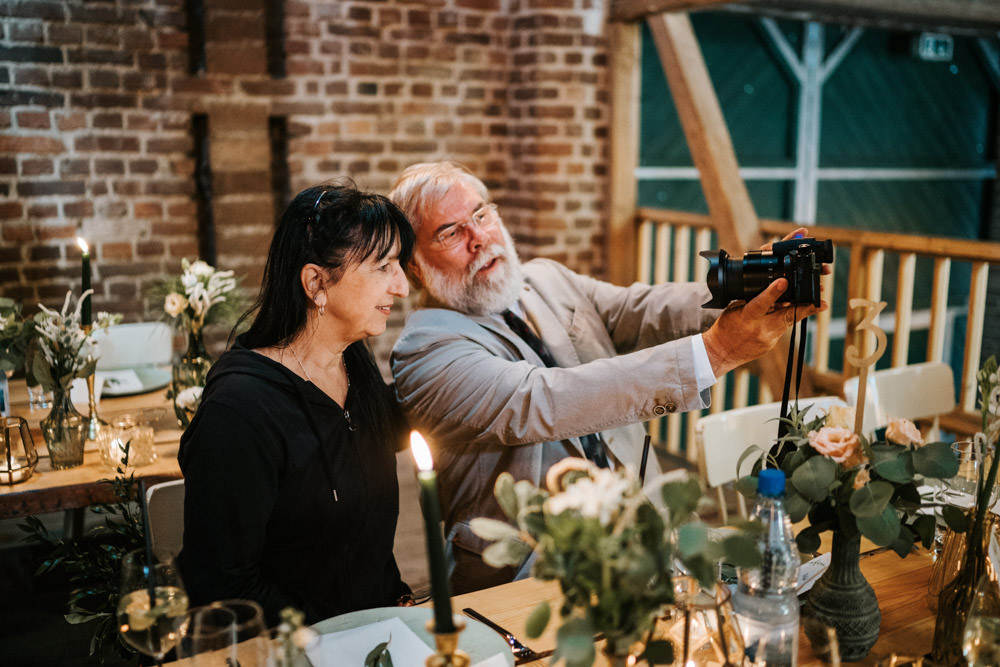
(85, 316)
(427, 478)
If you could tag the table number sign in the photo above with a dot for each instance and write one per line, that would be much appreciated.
(864, 363)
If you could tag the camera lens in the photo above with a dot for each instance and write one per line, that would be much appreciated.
(732, 279)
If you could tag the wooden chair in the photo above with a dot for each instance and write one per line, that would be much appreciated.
(166, 518)
(722, 437)
(918, 391)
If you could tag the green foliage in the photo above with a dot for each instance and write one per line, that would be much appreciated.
(379, 656)
(15, 335)
(92, 563)
(843, 482)
(612, 550)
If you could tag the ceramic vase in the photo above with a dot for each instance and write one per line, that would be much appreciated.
(188, 378)
(844, 600)
(65, 431)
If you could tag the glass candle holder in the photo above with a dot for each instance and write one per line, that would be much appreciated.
(126, 430)
(17, 450)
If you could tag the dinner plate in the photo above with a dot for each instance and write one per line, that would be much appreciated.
(151, 377)
(479, 641)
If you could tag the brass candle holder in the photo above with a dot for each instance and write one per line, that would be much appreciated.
(94, 422)
(447, 653)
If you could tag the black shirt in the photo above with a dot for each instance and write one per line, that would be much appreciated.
(283, 504)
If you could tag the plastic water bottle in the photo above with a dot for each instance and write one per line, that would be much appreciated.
(765, 603)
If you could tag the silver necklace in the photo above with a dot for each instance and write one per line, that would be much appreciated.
(347, 414)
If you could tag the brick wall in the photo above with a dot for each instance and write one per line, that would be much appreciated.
(96, 129)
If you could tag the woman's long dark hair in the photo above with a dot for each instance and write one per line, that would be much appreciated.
(332, 226)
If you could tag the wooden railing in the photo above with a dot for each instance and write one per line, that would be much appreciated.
(668, 246)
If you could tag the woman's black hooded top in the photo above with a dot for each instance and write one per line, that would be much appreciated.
(283, 503)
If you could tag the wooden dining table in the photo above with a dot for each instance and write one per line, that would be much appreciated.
(900, 584)
(49, 490)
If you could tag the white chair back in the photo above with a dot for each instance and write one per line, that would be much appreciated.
(918, 391)
(166, 518)
(134, 345)
(722, 438)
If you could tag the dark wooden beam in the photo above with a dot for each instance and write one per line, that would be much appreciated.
(961, 16)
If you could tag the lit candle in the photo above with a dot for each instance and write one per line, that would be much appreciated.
(427, 478)
(85, 319)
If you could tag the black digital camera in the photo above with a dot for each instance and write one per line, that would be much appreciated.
(799, 260)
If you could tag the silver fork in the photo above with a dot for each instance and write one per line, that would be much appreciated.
(521, 652)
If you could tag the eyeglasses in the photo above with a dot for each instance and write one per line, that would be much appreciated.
(484, 217)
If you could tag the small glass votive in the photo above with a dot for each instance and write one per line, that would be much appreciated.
(17, 451)
(121, 431)
(38, 398)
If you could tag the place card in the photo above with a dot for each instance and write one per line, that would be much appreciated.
(810, 572)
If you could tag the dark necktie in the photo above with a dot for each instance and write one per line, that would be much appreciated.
(593, 443)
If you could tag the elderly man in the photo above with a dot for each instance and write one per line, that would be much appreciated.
(511, 367)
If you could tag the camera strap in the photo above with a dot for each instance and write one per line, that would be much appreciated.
(796, 359)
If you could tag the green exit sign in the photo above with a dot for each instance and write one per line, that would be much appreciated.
(935, 46)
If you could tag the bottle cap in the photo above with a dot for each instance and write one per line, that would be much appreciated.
(771, 483)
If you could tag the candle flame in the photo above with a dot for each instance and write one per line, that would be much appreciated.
(83, 244)
(421, 452)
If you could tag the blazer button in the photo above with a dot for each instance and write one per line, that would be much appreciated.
(660, 410)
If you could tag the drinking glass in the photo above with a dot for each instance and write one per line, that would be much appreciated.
(151, 629)
(981, 639)
(253, 641)
(210, 637)
(227, 630)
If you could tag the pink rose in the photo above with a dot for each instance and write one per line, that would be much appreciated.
(840, 444)
(903, 432)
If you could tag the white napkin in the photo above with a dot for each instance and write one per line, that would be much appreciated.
(125, 381)
(350, 647)
(497, 660)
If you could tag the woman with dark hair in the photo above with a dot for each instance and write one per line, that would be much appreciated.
(289, 465)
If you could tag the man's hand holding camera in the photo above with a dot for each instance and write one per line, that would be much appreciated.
(748, 330)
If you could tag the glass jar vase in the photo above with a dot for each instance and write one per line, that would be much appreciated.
(188, 379)
(64, 431)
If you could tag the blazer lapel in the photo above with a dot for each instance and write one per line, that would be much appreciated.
(549, 328)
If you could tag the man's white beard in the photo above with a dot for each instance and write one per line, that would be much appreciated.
(473, 294)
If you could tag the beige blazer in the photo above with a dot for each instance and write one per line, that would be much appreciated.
(486, 403)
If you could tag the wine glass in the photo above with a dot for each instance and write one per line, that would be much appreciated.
(152, 629)
(981, 639)
(227, 632)
(253, 641)
(210, 637)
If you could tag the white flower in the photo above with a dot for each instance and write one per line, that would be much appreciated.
(174, 304)
(601, 496)
(840, 416)
(201, 269)
(190, 398)
(994, 402)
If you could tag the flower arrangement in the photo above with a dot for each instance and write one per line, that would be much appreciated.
(844, 482)
(612, 550)
(200, 295)
(15, 334)
(64, 346)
